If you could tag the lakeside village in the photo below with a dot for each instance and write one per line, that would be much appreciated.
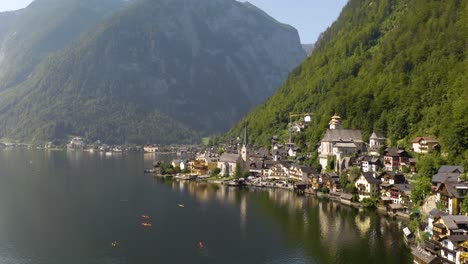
(354, 172)
(358, 174)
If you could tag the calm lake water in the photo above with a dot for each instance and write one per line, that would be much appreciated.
(67, 207)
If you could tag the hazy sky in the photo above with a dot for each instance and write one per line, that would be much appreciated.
(310, 17)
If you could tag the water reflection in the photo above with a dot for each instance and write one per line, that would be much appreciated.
(326, 231)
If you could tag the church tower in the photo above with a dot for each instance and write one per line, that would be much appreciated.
(244, 150)
(335, 122)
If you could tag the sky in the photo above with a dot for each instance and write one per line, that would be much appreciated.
(309, 17)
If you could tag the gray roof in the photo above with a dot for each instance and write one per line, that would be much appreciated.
(342, 135)
(377, 135)
(450, 169)
(345, 145)
(403, 187)
(458, 238)
(346, 196)
(445, 177)
(228, 157)
(423, 255)
(437, 213)
(452, 221)
(369, 176)
(395, 152)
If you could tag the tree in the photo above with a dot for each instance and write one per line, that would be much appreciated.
(331, 163)
(238, 172)
(421, 188)
(464, 206)
(215, 172)
(354, 173)
(343, 180)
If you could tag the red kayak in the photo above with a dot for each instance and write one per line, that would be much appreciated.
(145, 216)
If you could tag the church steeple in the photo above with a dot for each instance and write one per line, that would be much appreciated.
(335, 122)
(245, 151)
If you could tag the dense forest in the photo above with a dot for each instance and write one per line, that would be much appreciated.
(393, 66)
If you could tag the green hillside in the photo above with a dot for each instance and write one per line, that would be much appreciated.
(393, 66)
(29, 35)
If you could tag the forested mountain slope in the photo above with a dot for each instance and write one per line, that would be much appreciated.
(387, 65)
(157, 71)
(30, 34)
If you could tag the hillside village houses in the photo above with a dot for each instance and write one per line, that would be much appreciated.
(425, 145)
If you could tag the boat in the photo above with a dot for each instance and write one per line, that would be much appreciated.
(181, 206)
(150, 171)
(146, 224)
(145, 216)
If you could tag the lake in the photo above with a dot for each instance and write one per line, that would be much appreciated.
(64, 207)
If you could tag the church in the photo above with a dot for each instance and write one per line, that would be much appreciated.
(340, 143)
(228, 161)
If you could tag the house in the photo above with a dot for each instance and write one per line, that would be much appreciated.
(338, 142)
(390, 177)
(228, 163)
(76, 143)
(424, 145)
(293, 151)
(433, 215)
(300, 172)
(451, 249)
(256, 168)
(451, 195)
(182, 164)
(451, 169)
(395, 158)
(447, 173)
(279, 171)
(449, 225)
(371, 164)
(400, 194)
(150, 148)
(367, 185)
(199, 166)
(280, 154)
(316, 181)
(376, 141)
(327, 179)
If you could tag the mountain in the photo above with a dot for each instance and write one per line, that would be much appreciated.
(156, 71)
(29, 35)
(397, 67)
(308, 48)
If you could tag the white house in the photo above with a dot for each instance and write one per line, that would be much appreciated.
(425, 144)
(367, 185)
(228, 163)
(450, 248)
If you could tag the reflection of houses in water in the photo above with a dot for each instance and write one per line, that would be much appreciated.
(363, 223)
(243, 212)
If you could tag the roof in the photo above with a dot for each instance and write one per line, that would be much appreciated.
(437, 213)
(228, 157)
(403, 187)
(445, 177)
(394, 152)
(369, 176)
(423, 255)
(406, 231)
(307, 169)
(377, 135)
(385, 198)
(344, 135)
(345, 145)
(452, 221)
(428, 139)
(450, 169)
(458, 238)
(453, 187)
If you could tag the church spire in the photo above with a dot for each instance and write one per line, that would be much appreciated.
(245, 151)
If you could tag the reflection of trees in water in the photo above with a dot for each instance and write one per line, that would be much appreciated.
(326, 231)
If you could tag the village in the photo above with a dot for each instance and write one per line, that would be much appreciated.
(360, 174)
